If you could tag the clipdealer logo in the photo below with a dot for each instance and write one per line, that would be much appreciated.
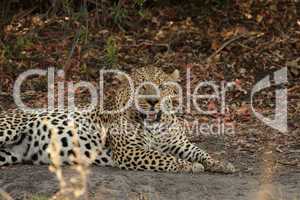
(279, 122)
(280, 119)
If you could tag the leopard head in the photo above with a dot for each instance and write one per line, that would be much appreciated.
(153, 95)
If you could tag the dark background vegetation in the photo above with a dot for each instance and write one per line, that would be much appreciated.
(236, 41)
(220, 40)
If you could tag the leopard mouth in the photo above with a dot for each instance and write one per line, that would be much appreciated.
(151, 116)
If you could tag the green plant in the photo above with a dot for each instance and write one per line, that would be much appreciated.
(11, 50)
(23, 42)
(83, 34)
(119, 13)
(139, 3)
(7, 52)
(67, 7)
(111, 52)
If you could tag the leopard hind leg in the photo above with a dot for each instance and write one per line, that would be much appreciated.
(9, 157)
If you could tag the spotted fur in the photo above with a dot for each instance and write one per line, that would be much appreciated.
(149, 140)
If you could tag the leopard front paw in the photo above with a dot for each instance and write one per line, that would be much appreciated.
(197, 168)
(191, 167)
(229, 168)
(220, 167)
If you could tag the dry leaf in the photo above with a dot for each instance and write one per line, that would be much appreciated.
(227, 34)
(294, 63)
(155, 21)
(211, 106)
(248, 15)
(215, 45)
(243, 110)
(259, 18)
(240, 30)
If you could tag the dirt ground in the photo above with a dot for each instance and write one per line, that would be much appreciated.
(107, 183)
(259, 177)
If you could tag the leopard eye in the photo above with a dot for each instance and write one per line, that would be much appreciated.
(162, 86)
(142, 88)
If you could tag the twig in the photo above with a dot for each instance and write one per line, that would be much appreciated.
(23, 14)
(229, 42)
(150, 44)
(67, 64)
(294, 88)
(245, 46)
(288, 163)
(6, 94)
(223, 46)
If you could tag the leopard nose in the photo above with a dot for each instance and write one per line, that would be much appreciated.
(152, 101)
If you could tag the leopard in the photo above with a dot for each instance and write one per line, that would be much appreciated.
(146, 136)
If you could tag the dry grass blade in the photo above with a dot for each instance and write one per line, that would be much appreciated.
(5, 195)
(76, 186)
(54, 150)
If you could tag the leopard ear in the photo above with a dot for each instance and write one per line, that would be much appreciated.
(175, 76)
(121, 78)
